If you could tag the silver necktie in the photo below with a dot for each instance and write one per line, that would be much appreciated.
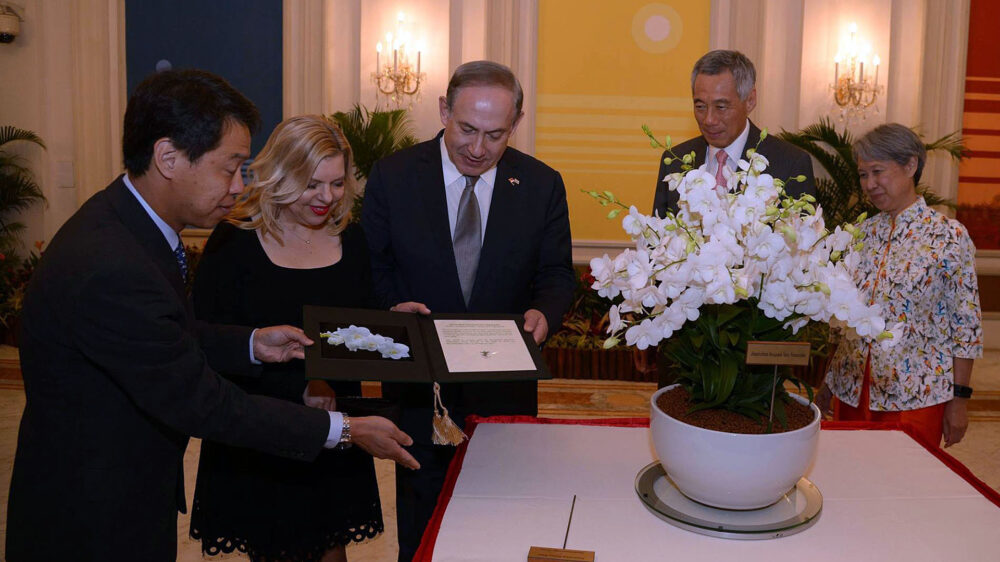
(468, 237)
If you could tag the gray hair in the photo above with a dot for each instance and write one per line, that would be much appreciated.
(484, 73)
(717, 62)
(892, 141)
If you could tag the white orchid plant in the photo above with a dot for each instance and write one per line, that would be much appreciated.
(737, 262)
(359, 338)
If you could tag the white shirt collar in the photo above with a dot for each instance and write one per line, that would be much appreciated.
(733, 150)
(451, 173)
(168, 233)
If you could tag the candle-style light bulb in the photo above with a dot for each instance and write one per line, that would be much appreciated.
(853, 28)
(378, 47)
(399, 17)
(876, 61)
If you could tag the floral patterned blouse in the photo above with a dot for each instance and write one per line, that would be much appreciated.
(920, 267)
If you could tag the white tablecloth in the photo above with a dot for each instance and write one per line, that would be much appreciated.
(884, 498)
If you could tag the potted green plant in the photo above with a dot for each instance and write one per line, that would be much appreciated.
(577, 350)
(373, 135)
(18, 191)
(736, 263)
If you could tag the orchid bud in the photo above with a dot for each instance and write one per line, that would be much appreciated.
(688, 158)
(789, 233)
(740, 291)
(668, 160)
(611, 342)
(823, 288)
(886, 335)
(835, 255)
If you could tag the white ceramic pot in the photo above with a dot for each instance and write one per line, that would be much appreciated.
(732, 470)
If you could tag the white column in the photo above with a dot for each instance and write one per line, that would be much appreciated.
(512, 39)
(302, 57)
(342, 73)
(946, 40)
(98, 51)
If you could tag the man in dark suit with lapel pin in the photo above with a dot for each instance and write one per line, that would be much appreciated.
(723, 85)
(464, 223)
(117, 371)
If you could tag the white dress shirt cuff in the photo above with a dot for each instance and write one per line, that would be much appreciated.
(336, 428)
(253, 360)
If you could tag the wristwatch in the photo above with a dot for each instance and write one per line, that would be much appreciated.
(962, 391)
(345, 434)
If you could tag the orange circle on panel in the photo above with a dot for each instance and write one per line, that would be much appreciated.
(657, 28)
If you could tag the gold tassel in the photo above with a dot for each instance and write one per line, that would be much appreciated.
(445, 430)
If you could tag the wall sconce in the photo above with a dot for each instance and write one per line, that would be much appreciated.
(397, 80)
(854, 91)
(10, 23)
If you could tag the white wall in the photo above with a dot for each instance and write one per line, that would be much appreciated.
(338, 75)
(36, 74)
(429, 23)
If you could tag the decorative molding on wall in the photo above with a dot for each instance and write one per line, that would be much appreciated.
(586, 250)
(512, 39)
(98, 50)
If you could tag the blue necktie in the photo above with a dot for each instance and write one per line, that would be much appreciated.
(181, 258)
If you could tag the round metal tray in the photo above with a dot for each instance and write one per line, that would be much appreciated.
(796, 511)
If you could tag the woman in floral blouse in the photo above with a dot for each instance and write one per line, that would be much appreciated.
(919, 265)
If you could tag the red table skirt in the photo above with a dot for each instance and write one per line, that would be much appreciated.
(426, 550)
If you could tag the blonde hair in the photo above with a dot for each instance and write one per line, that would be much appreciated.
(283, 169)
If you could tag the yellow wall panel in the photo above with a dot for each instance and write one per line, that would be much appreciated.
(604, 70)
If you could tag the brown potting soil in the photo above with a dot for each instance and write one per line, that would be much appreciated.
(676, 403)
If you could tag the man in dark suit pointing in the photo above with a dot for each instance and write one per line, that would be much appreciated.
(464, 223)
(117, 371)
(723, 85)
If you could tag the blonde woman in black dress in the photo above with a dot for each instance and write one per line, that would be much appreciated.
(288, 244)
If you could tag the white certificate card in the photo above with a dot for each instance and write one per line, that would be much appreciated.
(483, 345)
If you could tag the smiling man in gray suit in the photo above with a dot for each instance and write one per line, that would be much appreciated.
(723, 85)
